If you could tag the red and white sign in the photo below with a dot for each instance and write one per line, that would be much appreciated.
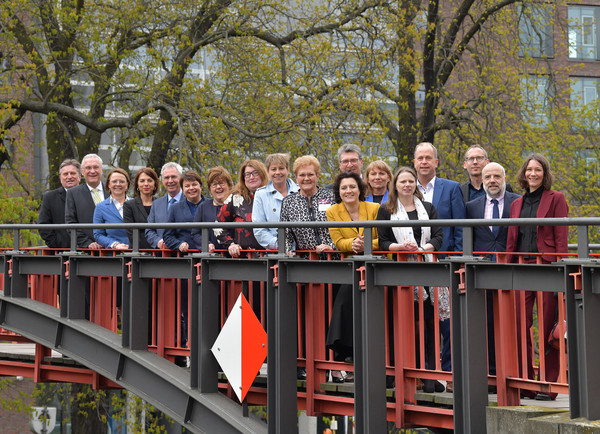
(241, 347)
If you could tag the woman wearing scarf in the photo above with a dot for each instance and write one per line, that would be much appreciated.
(406, 203)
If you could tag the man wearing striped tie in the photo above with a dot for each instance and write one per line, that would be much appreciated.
(81, 200)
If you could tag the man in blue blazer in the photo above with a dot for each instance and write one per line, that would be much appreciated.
(170, 175)
(446, 197)
(444, 194)
(491, 238)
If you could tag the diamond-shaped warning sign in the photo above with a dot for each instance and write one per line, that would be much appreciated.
(241, 347)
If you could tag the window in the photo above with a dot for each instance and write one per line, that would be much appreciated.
(584, 101)
(583, 32)
(536, 30)
(538, 95)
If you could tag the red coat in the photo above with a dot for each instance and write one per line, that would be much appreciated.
(550, 239)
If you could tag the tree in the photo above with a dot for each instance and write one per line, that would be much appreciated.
(124, 67)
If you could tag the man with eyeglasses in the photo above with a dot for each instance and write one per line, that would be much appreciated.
(350, 159)
(476, 158)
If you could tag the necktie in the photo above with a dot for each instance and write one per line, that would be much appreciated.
(495, 215)
(171, 202)
(96, 196)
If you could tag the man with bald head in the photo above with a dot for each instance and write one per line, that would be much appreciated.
(495, 204)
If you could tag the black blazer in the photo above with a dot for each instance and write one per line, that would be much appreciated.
(134, 212)
(483, 238)
(52, 211)
(79, 208)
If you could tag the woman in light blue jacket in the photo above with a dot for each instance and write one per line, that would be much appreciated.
(111, 211)
(267, 199)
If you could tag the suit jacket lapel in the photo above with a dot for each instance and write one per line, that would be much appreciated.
(138, 203)
(62, 194)
(114, 211)
(437, 193)
(346, 216)
(544, 206)
(506, 210)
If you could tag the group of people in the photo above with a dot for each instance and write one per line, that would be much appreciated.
(264, 192)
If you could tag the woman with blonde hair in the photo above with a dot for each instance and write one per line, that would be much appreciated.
(378, 176)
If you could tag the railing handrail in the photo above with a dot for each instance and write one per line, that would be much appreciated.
(562, 221)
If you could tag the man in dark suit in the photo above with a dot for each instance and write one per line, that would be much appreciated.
(52, 210)
(170, 174)
(81, 200)
(495, 203)
(476, 158)
(446, 197)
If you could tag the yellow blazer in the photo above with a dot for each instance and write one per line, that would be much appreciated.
(343, 237)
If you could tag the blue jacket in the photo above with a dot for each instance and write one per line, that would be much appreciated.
(106, 212)
(158, 214)
(180, 212)
(484, 239)
(369, 198)
(267, 208)
(448, 202)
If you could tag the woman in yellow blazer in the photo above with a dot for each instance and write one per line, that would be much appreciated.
(349, 192)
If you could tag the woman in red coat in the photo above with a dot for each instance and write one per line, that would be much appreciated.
(539, 201)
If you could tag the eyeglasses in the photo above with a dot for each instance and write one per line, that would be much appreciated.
(479, 159)
(219, 184)
(349, 161)
(253, 174)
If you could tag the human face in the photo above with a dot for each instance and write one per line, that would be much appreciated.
(117, 185)
(349, 191)
(494, 182)
(69, 176)
(307, 180)
(252, 178)
(170, 180)
(219, 190)
(92, 171)
(425, 163)
(350, 162)
(378, 180)
(534, 174)
(278, 173)
(406, 185)
(192, 190)
(145, 185)
(475, 161)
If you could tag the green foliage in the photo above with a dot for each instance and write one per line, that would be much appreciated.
(85, 408)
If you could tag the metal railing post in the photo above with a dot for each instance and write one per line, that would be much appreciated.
(469, 355)
(369, 350)
(281, 378)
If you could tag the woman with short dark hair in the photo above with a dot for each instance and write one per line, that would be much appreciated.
(145, 186)
(349, 193)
